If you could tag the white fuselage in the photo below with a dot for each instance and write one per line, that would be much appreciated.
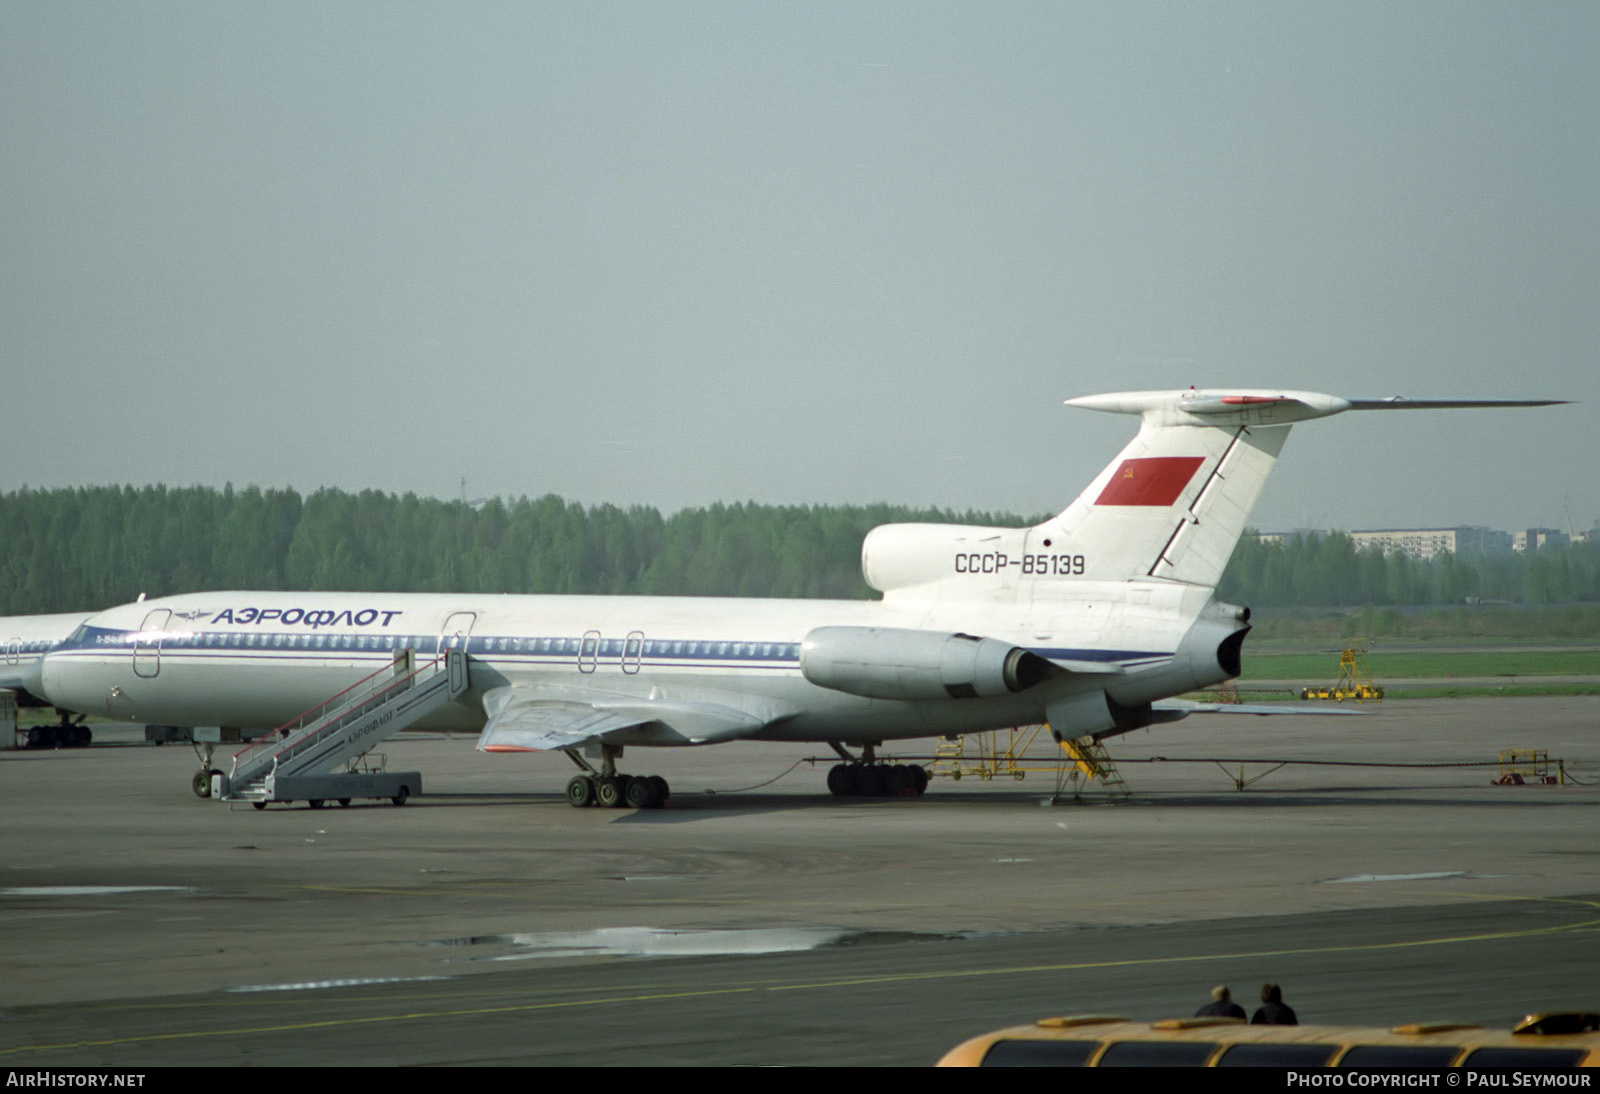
(24, 640)
(258, 659)
(1083, 621)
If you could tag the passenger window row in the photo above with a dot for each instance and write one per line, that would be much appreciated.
(617, 647)
(562, 647)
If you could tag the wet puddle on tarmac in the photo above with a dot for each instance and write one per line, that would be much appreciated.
(1435, 875)
(93, 890)
(655, 942)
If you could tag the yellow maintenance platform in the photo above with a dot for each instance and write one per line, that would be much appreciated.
(1353, 682)
(1003, 755)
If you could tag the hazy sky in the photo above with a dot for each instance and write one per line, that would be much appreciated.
(675, 253)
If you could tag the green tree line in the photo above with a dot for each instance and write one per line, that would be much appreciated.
(92, 547)
(1328, 571)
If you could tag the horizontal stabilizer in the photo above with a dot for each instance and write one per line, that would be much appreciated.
(1266, 406)
(1400, 402)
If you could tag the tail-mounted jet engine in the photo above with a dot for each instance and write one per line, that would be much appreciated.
(893, 663)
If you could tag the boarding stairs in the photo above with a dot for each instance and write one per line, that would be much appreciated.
(336, 733)
(1091, 761)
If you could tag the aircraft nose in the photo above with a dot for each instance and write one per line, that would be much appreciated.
(38, 675)
(56, 680)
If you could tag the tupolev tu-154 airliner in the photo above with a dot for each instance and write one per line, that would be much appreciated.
(1093, 621)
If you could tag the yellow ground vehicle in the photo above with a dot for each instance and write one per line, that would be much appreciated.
(1353, 682)
(1539, 1042)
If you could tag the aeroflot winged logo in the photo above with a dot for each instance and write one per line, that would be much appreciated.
(1153, 480)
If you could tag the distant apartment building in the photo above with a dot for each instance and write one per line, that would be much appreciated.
(1536, 538)
(1416, 542)
(1427, 542)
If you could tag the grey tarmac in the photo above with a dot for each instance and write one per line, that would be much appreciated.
(757, 920)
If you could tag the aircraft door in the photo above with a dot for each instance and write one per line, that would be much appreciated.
(457, 632)
(147, 643)
(14, 652)
(589, 651)
(632, 651)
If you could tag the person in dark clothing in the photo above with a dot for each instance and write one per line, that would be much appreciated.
(1274, 1011)
(1221, 1005)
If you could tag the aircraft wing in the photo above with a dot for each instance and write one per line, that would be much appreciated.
(1182, 707)
(535, 718)
(534, 725)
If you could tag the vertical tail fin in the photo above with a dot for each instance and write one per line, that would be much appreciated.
(1175, 501)
(1170, 507)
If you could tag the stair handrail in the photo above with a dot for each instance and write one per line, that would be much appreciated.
(281, 738)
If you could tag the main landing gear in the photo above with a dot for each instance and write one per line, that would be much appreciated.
(867, 778)
(610, 790)
(64, 734)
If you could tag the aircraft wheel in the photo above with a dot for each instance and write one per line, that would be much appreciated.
(316, 803)
(261, 805)
(402, 795)
(344, 803)
(663, 791)
(839, 781)
(201, 784)
(639, 794)
(919, 775)
(608, 790)
(855, 782)
(580, 791)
